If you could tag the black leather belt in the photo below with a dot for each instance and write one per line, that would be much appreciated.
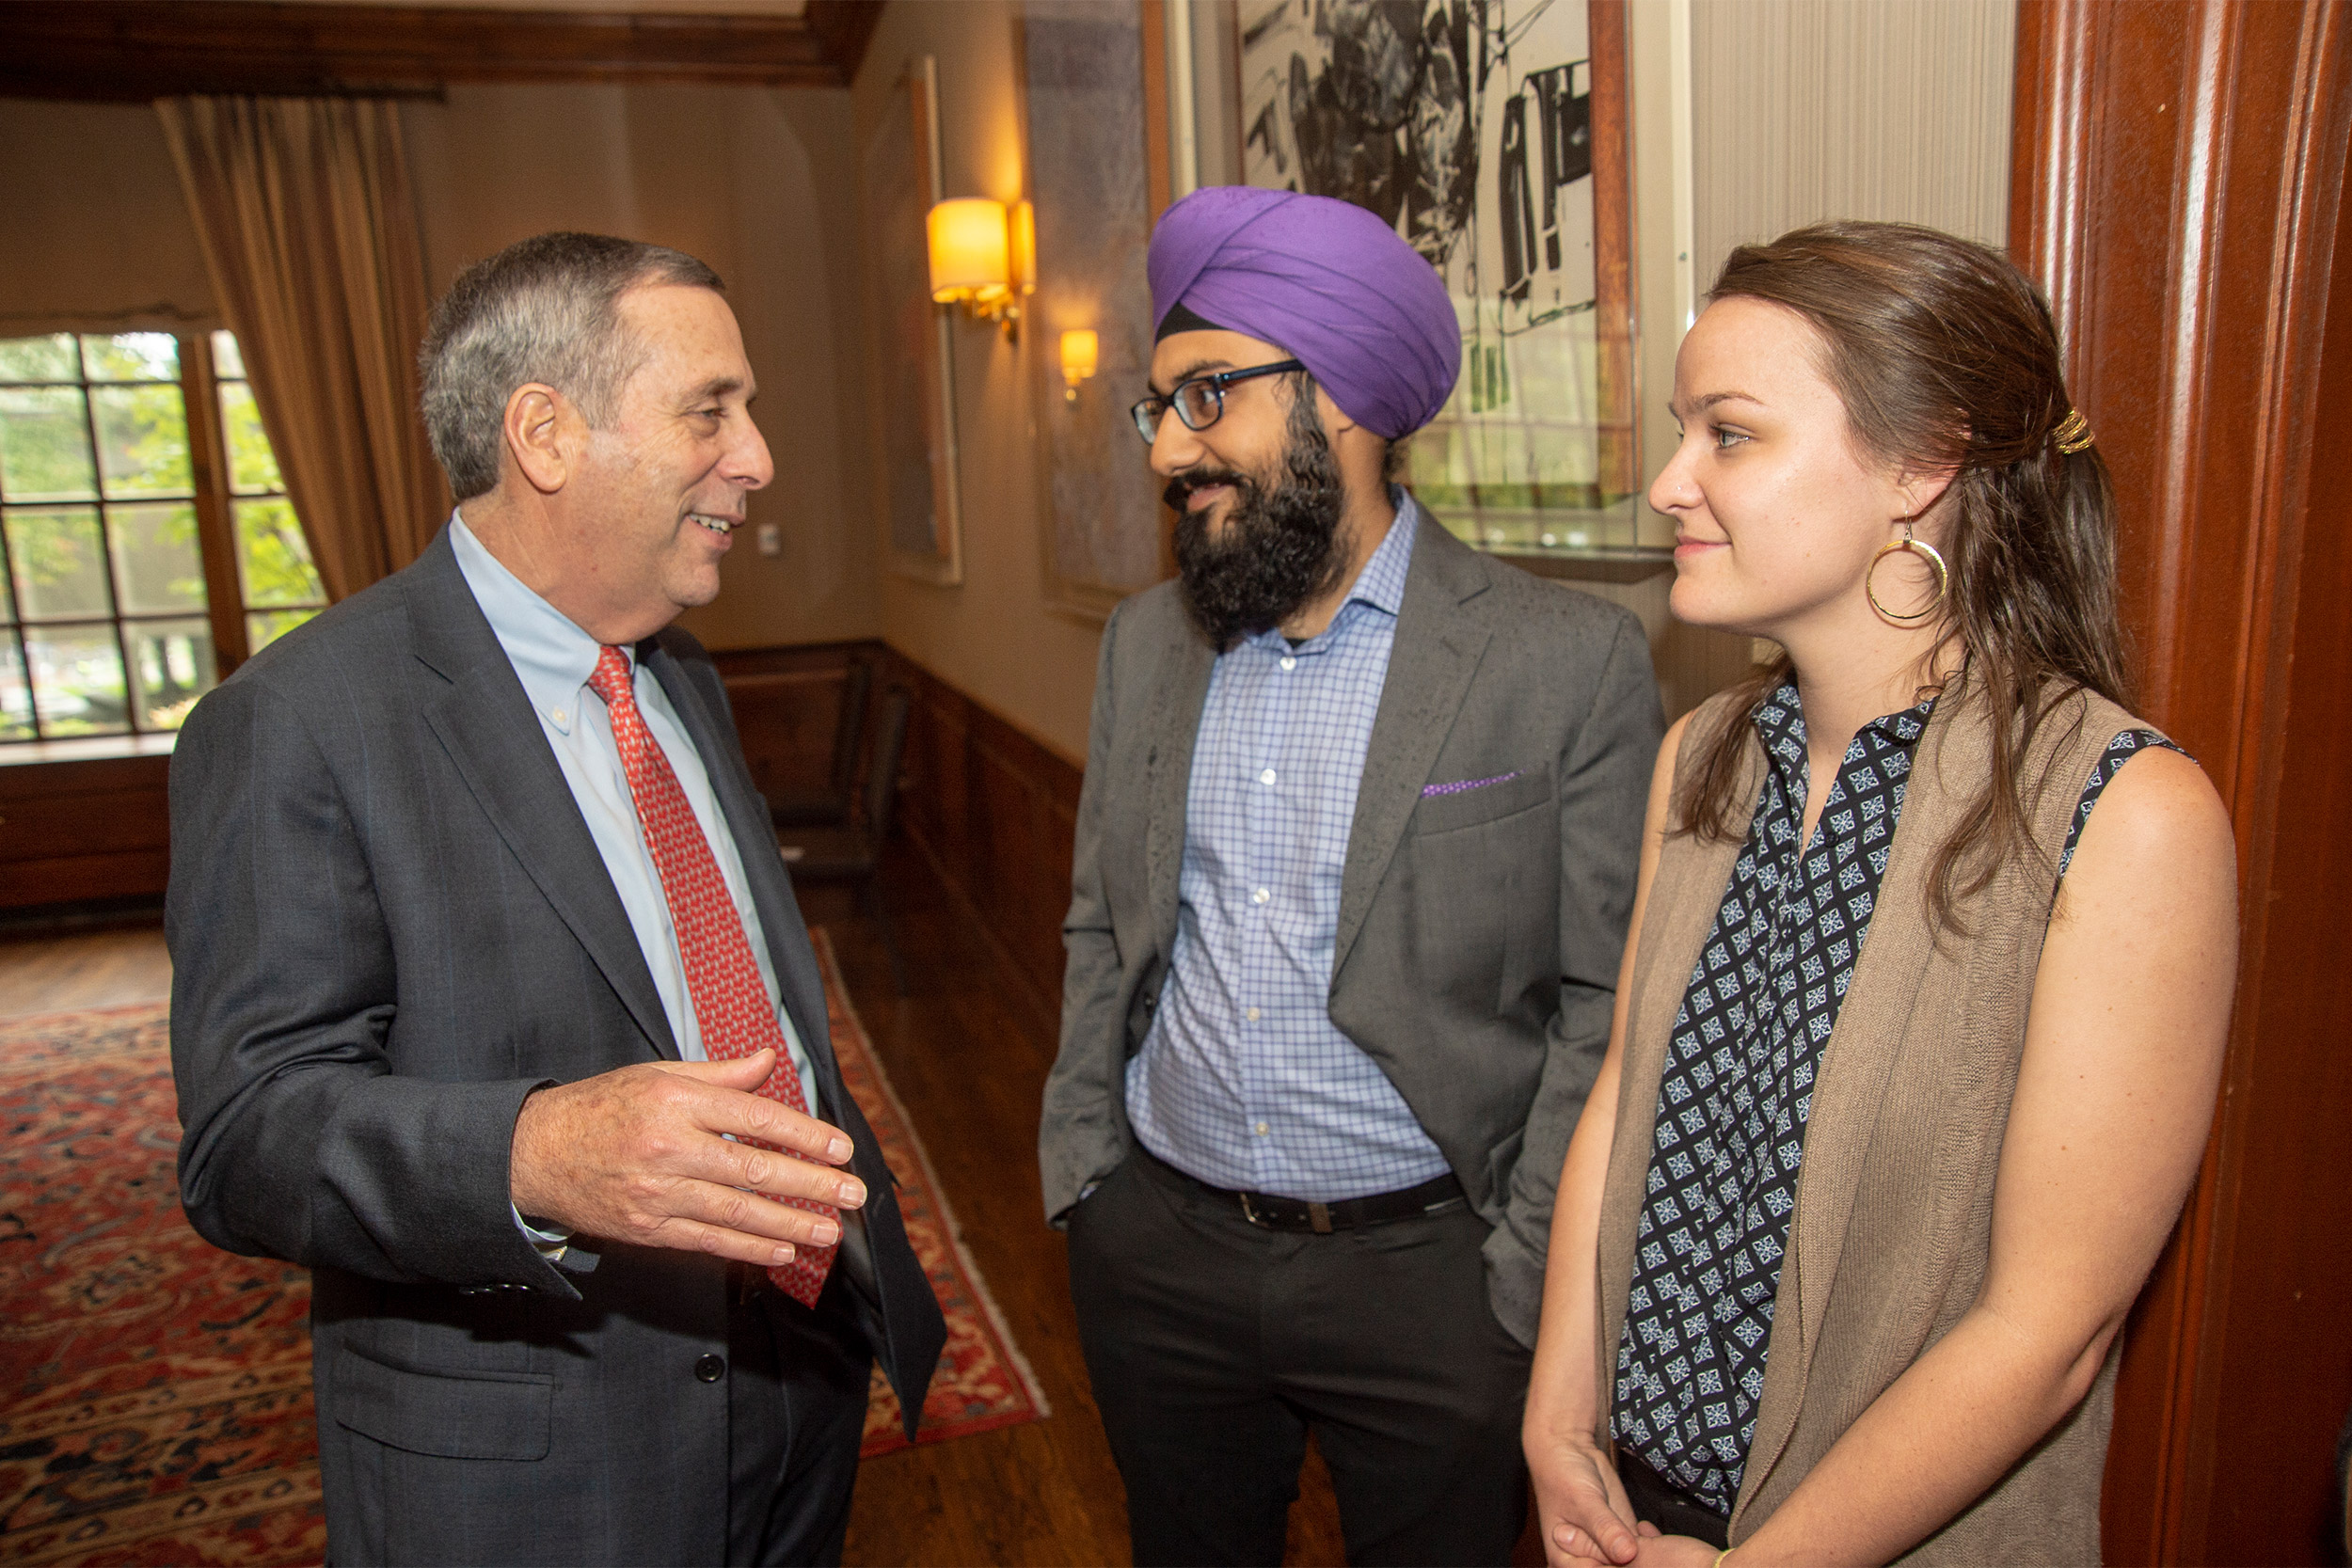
(1269, 1212)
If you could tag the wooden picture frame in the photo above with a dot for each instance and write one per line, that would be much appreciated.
(1094, 124)
(917, 486)
(1500, 146)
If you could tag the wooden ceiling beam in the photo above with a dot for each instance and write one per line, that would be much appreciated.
(131, 51)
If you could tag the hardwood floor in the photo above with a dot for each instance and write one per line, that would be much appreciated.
(968, 1051)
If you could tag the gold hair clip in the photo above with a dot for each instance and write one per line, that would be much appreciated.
(2074, 432)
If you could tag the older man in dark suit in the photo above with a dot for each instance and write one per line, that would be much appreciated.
(491, 1001)
(1355, 854)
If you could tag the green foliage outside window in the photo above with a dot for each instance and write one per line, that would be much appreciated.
(104, 609)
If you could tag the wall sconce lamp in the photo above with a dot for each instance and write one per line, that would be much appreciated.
(983, 257)
(1081, 351)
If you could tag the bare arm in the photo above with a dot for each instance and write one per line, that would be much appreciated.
(1581, 1510)
(2114, 1099)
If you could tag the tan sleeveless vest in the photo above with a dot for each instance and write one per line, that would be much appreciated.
(1893, 1228)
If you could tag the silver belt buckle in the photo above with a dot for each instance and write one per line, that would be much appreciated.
(1250, 1213)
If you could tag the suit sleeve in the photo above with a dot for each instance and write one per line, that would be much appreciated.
(1078, 1136)
(1604, 774)
(298, 1141)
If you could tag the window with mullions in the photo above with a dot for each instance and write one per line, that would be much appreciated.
(113, 499)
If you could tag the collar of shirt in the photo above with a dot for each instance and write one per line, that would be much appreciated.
(1779, 720)
(553, 657)
(1379, 586)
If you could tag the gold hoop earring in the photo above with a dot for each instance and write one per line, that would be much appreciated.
(1919, 547)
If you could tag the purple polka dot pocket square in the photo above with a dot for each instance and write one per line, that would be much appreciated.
(1465, 785)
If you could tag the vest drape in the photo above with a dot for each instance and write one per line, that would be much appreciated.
(1892, 1227)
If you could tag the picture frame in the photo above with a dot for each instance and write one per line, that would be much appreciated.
(917, 486)
(1094, 133)
(1495, 135)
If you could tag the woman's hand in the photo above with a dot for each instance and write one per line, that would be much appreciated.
(1580, 1507)
(1673, 1551)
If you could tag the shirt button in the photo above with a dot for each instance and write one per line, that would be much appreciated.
(1260, 897)
(557, 714)
(1261, 1130)
(1289, 663)
(1266, 777)
(1251, 1015)
(711, 1369)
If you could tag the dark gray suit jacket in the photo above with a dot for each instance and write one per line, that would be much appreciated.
(389, 924)
(1479, 932)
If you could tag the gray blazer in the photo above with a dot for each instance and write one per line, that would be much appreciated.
(1479, 932)
(389, 924)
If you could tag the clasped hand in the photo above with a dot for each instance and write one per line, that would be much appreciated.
(665, 1155)
(1582, 1513)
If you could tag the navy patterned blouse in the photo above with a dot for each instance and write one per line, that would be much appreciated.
(1738, 1090)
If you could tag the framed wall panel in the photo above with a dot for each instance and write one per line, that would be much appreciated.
(915, 411)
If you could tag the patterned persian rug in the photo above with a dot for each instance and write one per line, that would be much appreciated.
(156, 1392)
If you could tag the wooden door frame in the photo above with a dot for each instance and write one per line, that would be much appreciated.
(2176, 186)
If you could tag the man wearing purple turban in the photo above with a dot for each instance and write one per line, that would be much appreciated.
(1354, 859)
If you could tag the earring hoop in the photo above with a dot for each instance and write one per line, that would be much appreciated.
(1924, 550)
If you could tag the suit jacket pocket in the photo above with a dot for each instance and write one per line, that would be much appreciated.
(455, 1416)
(1442, 814)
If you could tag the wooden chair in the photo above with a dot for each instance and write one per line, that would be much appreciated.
(831, 806)
(852, 852)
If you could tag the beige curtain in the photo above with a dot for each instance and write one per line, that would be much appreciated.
(303, 210)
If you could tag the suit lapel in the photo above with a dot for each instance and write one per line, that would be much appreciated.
(485, 723)
(1436, 650)
(1175, 728)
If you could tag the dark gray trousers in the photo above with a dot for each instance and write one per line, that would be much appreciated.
(796, 1414)
(1215, 1347)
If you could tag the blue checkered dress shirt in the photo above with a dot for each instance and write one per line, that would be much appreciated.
(1243, 1081)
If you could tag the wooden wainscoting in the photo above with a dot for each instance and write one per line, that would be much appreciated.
(991, 808)
(996, 811)
(84, 833)
(787, 704)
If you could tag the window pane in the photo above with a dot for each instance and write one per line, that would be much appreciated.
(16, 698)
(252, 467)
(60, 568)
(158, 566)
(227, 359)
(44, 446)
(131, 357)
(262, 631)
(142, 441)
(171, 666)
(77, 679)
(273, 558)
(38, 359)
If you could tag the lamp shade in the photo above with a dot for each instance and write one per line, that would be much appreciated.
(969, 245)
(1022, 231)
(1080, 350)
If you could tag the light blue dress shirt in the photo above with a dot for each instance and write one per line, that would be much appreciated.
(553, 659)
(1243, 1081)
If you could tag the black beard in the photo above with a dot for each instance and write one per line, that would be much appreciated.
(1280, 544)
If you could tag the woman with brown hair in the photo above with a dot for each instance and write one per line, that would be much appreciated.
(1914, 1054)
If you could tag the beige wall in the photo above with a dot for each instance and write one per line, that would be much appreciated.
(994, 636)
(93, 232)
(754, 181)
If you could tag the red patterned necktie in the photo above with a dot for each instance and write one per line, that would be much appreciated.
(722, 981)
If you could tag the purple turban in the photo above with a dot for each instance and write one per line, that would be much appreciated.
(1323, 280)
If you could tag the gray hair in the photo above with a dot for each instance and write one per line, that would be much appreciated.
(543, 310)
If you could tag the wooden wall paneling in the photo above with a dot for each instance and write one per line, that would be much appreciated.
(787, 703)
(129, 51)
(996, 812)
(75, 831)
(2177, 182)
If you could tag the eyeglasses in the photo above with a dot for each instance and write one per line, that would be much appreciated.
(1200, 402)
